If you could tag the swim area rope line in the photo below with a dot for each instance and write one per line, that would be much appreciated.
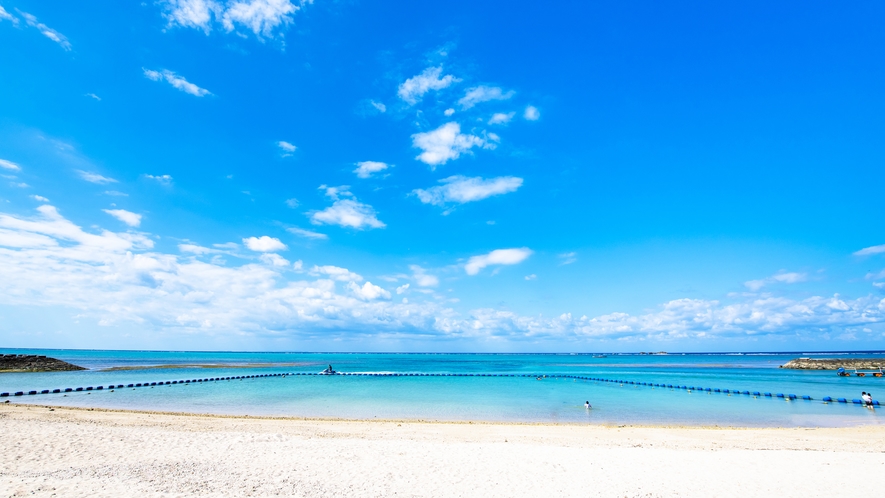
(788, 397)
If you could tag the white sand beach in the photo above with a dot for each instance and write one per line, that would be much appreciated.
(80, 452)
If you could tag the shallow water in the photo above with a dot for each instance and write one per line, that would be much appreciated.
(517, 399)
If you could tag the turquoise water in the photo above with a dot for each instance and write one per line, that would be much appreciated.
(515, 399)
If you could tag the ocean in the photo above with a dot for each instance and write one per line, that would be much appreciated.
(486, 396)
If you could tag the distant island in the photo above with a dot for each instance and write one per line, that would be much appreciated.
(10, 363)
(835, 363)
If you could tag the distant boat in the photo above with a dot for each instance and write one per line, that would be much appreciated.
(600, 356)
(329, 371)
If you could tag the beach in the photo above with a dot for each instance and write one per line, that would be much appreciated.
(58, 451)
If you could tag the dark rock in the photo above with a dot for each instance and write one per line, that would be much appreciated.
(34, 363)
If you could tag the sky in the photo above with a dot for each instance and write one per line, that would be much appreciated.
(444, 177)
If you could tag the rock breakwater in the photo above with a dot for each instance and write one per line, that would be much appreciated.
(34, 363)
(835, 363)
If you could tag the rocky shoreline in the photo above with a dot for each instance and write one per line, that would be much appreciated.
(835, 363)
(33, 363)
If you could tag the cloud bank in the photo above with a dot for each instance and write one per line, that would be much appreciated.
(117, 278)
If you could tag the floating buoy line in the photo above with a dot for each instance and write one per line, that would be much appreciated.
(708, 390)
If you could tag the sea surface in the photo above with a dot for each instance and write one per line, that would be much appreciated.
(446, 398)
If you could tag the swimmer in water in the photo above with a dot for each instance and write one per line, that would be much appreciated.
(587, 405)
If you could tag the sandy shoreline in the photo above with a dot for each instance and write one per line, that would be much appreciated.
(82, 452)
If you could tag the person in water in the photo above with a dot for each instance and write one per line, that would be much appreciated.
(587, 405)
(867, 399)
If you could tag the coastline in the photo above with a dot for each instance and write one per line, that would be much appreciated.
(82, 451)
(479, 422)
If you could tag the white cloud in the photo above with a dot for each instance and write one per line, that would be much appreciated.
(47, 31)
(481, 93)
(378, 105)
(50, 223)
(422, 278)
(19, 184)
(402, 288)
(307, 233)
(497, 257)
(95, 177)
(273, 259)
(335, 273)
(196, 249)
(445, 143)
(13, 238)
(532, 113)
(568, 258)
(366, 168)
(52, 264)
(9, 165)
(287, 147)
(115, 193)
(7, 16)
(39, 198)
(866, 251)
(501, 118)
(531, 277)
(449, 111)
(461, 189)
(336, 193)
(790, 278)
(127, 217)
(875, 276)
(262, 17)
(368, 292)
(292, 203)
(93, 96)
(415, 87)
(781, 277)
(264, 244)
(755, 285)
(191, 13)
(347, 212)
(176, 81)
(695, 319)
(161, 179)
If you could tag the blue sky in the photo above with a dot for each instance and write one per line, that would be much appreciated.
(401, 176)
